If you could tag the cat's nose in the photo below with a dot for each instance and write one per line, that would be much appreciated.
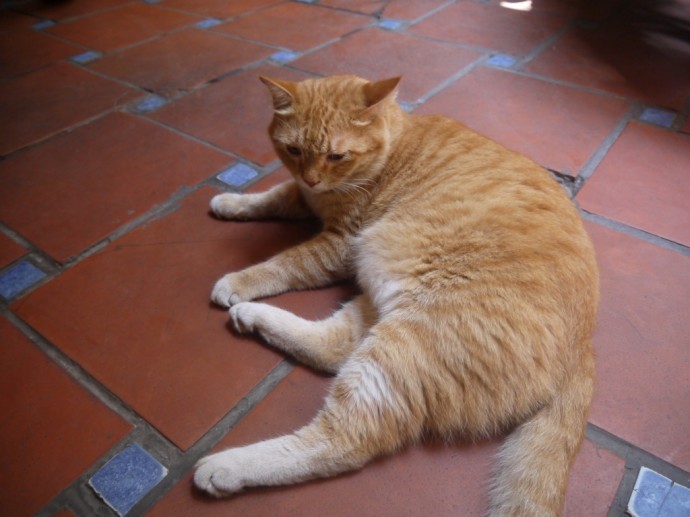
(312, 181)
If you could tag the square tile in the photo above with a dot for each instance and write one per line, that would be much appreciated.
(491, 26)
(112, 29)
(451, 479)
(621, 61)
(144, 325)
(127, 477)
(19, 278)
(649, 493)
(557, 126)
(377, 54)
(219, 8)
(9, 250)
(23, 50)
(641, 342)
(401, 9)
(232, 114)
(74, 190)
(57, 431)
(238, 175)
(643, 182)
(30, 111)
(295, 25)
(63, 10)
(658, 117)
(180, 61)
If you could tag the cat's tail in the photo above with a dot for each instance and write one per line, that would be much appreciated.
(533, 463)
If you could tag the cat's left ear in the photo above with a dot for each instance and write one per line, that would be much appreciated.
(376, 95)
(283, 93)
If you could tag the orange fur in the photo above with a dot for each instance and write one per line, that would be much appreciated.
(479, 297)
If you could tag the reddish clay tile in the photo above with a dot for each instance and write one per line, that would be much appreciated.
(451, 479)
(38, 105)
(295, 25)
(219, 8)
(77, 188)
(643, 358)
(376, 54)
(63, 10)
(23, 49)
(557, 126)
(137, 316)
(620, 61)
(180, 61)
(362, 6)
(233, 114)
(396, 9)
(54, 430)
(594, 480)
(9, 250)
(643, 182)
(491, 26)
(116, 28)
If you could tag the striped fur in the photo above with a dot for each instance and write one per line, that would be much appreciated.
(479, 294)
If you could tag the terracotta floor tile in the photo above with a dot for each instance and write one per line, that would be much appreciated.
(180, 61)
(643, 358)
(557, 126)
(126, 25)
(23, 49)
(233, 114)
(491, 26)
(395, 9)
(220, 9)
(62, 10)
(54, 430)
(295, 25)
(144, 325)
(77, 188)
(622, 62)
(642, 182)
(375, 54)
(29, 111)
(450, 479)
(594, 480)
(9, 250)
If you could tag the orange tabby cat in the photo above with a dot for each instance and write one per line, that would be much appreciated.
(479, 297)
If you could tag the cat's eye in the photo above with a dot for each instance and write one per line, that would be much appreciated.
(294, 151)
(335, 157)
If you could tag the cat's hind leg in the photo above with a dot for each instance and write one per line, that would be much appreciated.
(364, 416)
(282, 201)
(323, 345)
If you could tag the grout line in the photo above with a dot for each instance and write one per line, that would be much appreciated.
(544, 45)
(637, 233)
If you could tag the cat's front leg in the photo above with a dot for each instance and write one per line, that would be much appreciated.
(315, 263)
(283, 201)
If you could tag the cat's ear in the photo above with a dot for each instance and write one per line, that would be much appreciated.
(283, 93)
(375, 95)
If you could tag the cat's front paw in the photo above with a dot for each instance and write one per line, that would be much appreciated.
(230, 206)
(244, 316)
(218, 475)
(225, 293)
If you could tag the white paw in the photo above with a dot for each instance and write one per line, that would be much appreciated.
(224, 294)
(218, 475)
(229, 206)
(244, 316)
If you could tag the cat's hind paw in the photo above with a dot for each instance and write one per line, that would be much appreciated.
(217, 475)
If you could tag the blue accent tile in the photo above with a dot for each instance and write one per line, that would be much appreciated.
(390, 24)
(238, 175)
(501, 60)
(307, 1)
(18, 278)
(127, 477)
(45, 24)
(208, 23)
(284, 56)
(651, 488)
(658, 116)
(677, 503)
(407, 106)
(150, 103)
(86, 57)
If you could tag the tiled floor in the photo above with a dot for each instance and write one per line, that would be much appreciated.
(108, 253)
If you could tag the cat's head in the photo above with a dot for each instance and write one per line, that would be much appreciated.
(335, 131)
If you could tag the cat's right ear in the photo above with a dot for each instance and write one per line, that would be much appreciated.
(283, 93)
